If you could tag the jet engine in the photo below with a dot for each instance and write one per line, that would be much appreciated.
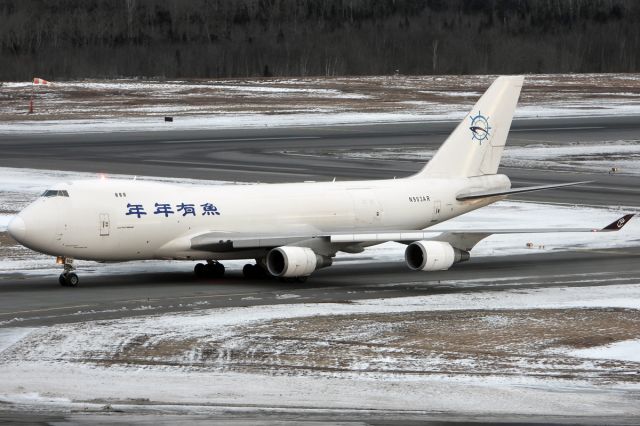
(433, 255)
(291, 262)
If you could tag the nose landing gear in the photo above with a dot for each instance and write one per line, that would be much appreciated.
(68, 278)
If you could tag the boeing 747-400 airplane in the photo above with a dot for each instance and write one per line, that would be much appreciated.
(289, 229)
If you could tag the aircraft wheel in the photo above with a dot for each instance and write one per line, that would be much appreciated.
(69, 279)
(248, 271)
(73, 279)
(219, 269)
(200, 270)
(255, 271)
(215, 270)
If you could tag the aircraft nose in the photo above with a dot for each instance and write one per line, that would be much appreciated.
(17, 228)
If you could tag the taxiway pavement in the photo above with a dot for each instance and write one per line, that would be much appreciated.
(295, 154)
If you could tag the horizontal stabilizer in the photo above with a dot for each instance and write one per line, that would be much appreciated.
(487, 194)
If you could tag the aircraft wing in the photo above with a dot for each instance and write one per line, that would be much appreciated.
(467, 239)
(464, 239)
(487, 194)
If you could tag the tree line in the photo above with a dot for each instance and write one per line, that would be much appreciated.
(66, 39)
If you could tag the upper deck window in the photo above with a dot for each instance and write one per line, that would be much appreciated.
(55, 193)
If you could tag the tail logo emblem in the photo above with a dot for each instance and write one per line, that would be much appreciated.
(620, 223)
(479, 127)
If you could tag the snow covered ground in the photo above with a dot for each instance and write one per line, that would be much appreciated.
(372, 360)
(569, 351)
(21, 186)
(98, 106)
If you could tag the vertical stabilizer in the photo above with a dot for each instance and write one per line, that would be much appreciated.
(475, 146)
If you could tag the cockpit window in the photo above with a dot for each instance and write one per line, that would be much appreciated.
(55, 193)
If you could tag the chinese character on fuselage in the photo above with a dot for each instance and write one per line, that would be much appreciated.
(186, 209)
(209, 209)
(136, 209)
(164, 209)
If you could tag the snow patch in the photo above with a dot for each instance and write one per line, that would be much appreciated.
(11, 336)
(628, 350)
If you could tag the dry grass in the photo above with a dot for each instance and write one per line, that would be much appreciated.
(6, 240)
(373, 94)
(477, 342)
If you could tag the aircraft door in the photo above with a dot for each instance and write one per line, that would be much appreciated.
(105, 225)
(437, 208)
(367, 209)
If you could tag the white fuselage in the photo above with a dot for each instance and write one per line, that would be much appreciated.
(118, 220)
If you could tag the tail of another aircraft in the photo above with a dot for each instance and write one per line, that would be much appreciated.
(475, 146)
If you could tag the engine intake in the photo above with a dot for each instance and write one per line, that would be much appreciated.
(291, 262)
(433, 255)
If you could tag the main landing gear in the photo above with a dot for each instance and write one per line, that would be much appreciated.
(68, 278)
(212, 269)
(255, 271)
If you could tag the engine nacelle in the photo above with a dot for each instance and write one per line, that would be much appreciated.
(291, 262)
(433, 255)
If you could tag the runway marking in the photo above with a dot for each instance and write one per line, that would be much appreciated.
(129, 301)
(603, 251)
(199, 163)
(263, 172)
(46, 310)
(242, 139)
(550, 129)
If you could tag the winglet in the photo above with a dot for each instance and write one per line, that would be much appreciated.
(617, 225)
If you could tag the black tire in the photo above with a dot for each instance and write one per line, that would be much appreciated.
(256, 272)
(249, 271)
(72, 279)
(62, 280)
(200, 270)
(214, 270)
(218, 270)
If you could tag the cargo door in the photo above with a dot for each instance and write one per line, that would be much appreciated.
(105, 225)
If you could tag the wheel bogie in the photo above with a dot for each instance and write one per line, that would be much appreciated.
(209, 270)
(255, 272)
